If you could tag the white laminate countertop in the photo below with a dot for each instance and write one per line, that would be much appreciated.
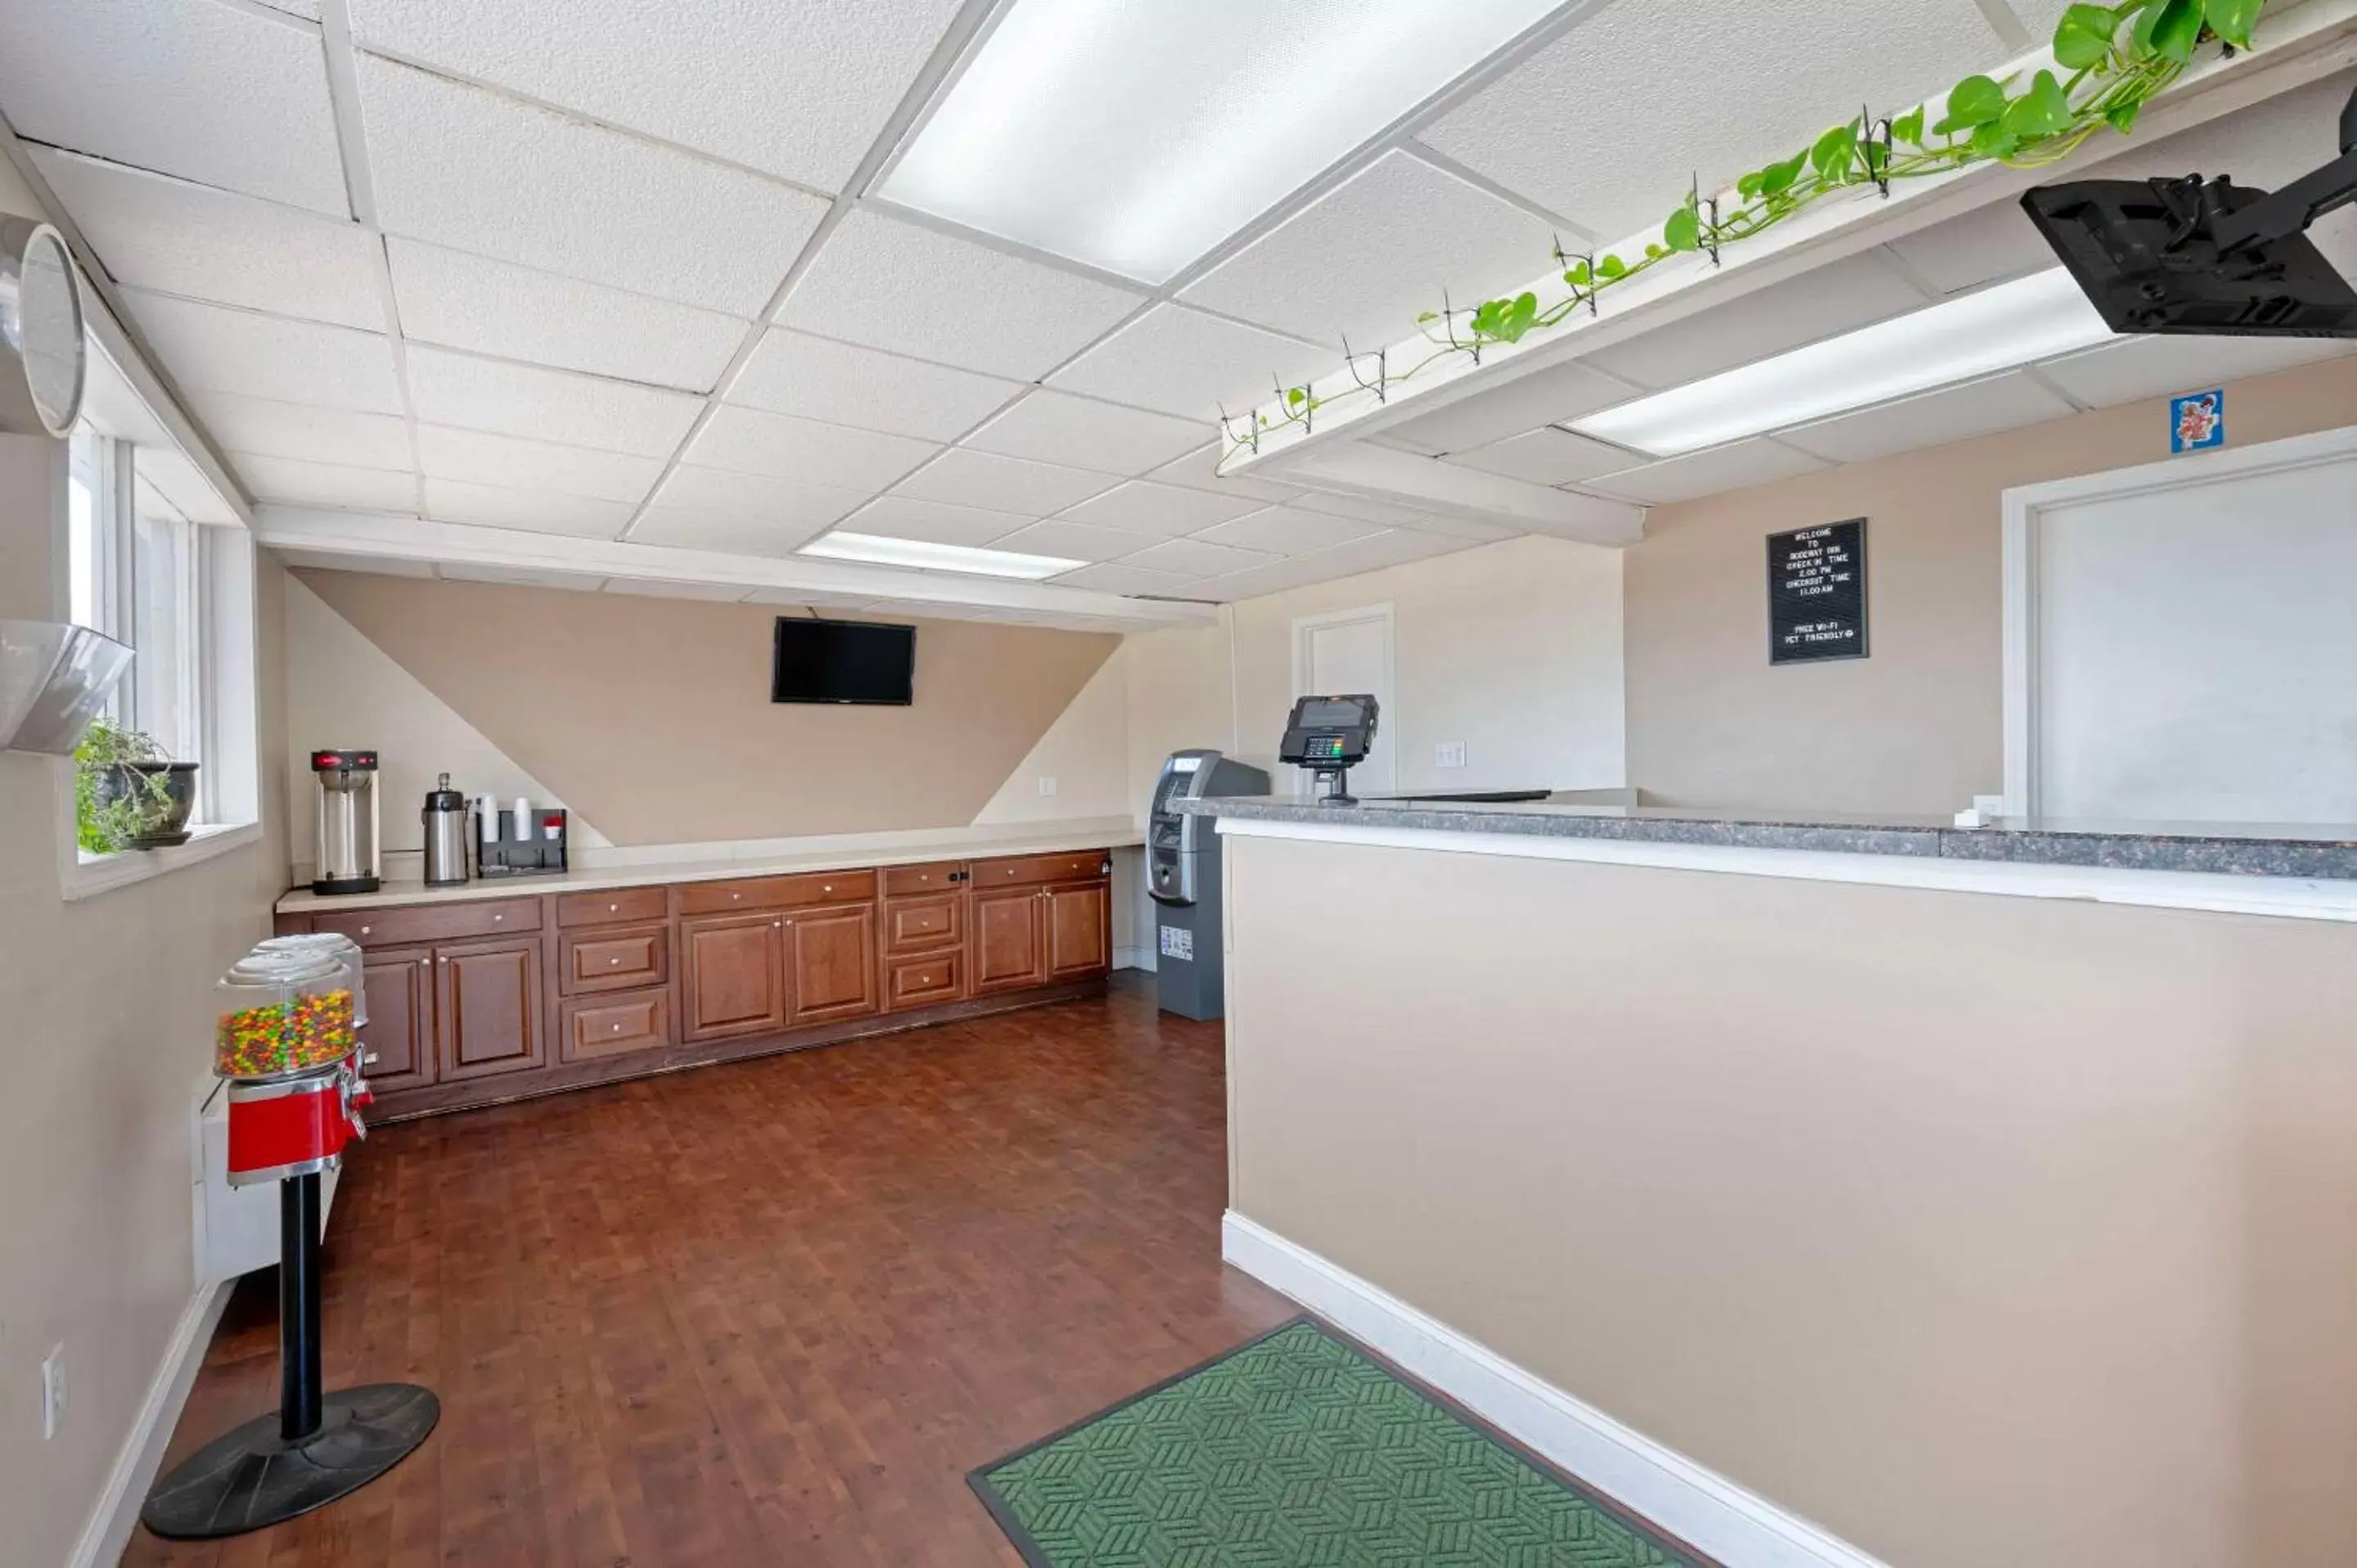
(903, 849)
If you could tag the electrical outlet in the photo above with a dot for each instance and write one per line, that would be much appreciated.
(53, 1393)
(1046, 785)
(1448, 754)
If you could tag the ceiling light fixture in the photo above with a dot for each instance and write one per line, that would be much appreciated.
(1136, 138)
(2000, 329)
(924, 554)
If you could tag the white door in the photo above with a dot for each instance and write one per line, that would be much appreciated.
(1338, 655)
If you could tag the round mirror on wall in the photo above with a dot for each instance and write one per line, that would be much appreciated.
(42, 367)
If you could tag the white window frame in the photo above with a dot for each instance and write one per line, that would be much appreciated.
(219, 589)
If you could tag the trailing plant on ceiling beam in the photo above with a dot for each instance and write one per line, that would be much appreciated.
(2114, 60)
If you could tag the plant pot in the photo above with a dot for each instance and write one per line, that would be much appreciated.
(162, 823)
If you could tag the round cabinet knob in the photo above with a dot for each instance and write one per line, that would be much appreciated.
(613, 908)
(779, 925)
(618, 1028)
(827, 888)
(734, 897)
(366, 929)
(614, 961)
(497, 919)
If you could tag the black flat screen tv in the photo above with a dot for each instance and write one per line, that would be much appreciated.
(843, 661)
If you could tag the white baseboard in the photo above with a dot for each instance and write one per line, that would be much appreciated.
(1134, 958)
(1696, 1504)
(111, 1523)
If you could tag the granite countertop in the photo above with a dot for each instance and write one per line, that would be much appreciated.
(950, 843)
(2326, 850)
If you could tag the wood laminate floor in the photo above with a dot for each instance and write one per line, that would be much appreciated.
(763, 1313)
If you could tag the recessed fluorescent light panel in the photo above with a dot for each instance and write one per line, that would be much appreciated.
(1135, 137)
(876, 551)
(1999, 328)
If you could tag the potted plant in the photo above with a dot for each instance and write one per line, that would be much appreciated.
(127, 794)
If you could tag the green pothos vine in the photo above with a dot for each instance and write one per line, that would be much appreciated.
(2115, 59)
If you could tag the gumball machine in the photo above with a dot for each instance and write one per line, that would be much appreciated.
(288, 1044)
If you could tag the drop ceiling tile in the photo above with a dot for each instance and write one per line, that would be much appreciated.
(754, 498)
(1072, 540)
(1929, 419)
(303, 431)
(965, 477)
(547, 405)
(1057, 427)
(297, 483)
(1757, 461)
(212, 348)
(894, 285)
(1283, 531)
(749, 441)
(1359, 508)
(1396, 548)
(904, 517)
(1258, 582)
(818, 377)
(1366, 259)
(716, 84)
(1989, 244)
(1549, 457)
(2158, 367)
(478, 457)
(516, 312)
(1141, 506)
(1633, 85)
(535, 511)
(1193, 558)
(1131, 581)
(1200, 470)
(156, 232)
(1184, 362)
(1824, 302)
(728, 535)
(209, 92)
(1552, 396)
(467, 169)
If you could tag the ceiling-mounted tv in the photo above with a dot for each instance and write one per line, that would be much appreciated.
(843, 661)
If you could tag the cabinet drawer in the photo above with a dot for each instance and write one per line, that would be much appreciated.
(925, 981)
(777, 892)
(616, 960)
(621, 907)
(432, 922)
(941, 876)
(920, 925)
(611, 1025)
(1026, 870)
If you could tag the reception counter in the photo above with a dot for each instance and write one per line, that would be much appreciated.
(1835, 1191)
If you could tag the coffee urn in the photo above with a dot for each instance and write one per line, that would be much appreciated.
(348, 859)
(446, 835)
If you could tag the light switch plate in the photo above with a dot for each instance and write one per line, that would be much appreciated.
(1448, 754)
(1046, 785)
(53, 1391)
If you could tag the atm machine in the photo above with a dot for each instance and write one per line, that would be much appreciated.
(1182, 872)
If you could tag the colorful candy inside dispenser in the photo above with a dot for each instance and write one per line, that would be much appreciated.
(283, 1013)
(334, 945)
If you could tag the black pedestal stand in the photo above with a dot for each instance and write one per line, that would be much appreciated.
(320, 1447)
(1336, 783)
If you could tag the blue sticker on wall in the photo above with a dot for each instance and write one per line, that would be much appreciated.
(2197, 422)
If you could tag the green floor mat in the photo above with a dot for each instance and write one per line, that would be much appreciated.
(1294, 1449)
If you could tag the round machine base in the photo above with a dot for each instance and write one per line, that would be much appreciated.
(250, 1477)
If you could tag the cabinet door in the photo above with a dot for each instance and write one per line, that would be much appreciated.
(398, 1044)
(731, 981)
(924, 979)
(488, 1017)
(1079, 922)
(831, 962)
(1007, 946)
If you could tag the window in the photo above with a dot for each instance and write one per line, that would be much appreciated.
(181, 594)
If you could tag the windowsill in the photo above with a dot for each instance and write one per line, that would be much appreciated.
(91, 875)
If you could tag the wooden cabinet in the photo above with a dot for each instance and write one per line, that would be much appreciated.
(923, 925)
(925, 980)
(1007, 952)
(487, 1009)
(596, 1027)
(831, 963)
(1078, 923)
(617, 958)
(399, 1039)
(732, 979)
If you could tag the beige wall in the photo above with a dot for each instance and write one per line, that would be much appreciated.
(1917, 726)
(1977, 1229)
(651, 716)
(105, 1038)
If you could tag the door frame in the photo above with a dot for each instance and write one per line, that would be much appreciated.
(1305, 626)
(2025, 510)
